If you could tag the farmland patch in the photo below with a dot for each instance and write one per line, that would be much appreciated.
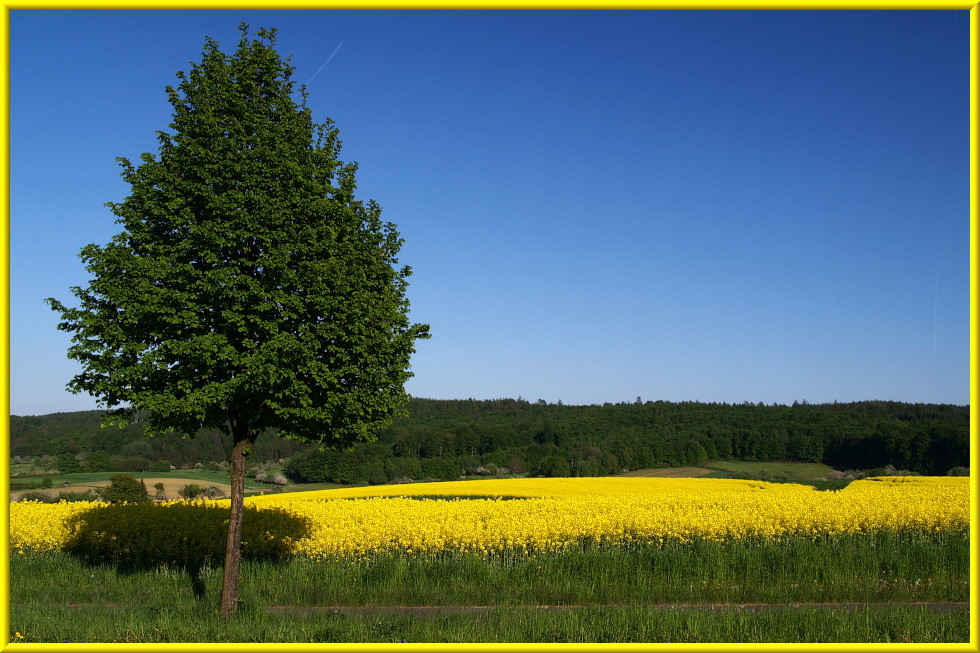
(669, 472)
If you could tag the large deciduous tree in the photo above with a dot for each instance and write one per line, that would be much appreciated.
(248, 289)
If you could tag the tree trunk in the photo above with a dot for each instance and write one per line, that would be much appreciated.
(243, 441)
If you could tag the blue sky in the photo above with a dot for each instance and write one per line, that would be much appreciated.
(720, 206)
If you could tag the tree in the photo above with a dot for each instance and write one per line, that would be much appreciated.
(97, 461)
(695, 453)
(554, 465)
(125, 488)
(68, 464)
(248, 289)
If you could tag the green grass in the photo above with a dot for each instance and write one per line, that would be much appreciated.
(648, 594)
(716, 474)
(790, 471)
(598, 624)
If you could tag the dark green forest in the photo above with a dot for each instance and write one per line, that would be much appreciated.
(442, 439)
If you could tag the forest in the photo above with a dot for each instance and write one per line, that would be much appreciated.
(444, 439)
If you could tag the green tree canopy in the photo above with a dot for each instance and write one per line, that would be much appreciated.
(248, 288)
(247, 282)
(68, 464)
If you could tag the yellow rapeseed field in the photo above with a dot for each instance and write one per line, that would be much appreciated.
(551, 514)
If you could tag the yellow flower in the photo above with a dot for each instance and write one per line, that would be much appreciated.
(554, 514)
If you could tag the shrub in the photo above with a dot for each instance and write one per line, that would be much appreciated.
(43, 497)
(47, 482)
(958, 471)
(87, 495)
(213, 492)
(889, 470)
(191, 491)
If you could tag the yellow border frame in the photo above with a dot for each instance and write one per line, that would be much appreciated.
(11, 5)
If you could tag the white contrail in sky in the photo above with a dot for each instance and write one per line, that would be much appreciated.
(325, 63)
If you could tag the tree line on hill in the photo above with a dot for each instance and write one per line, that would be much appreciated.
(444, 439)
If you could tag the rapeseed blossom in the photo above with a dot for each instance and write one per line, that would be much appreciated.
(526, 516)
(42, 526)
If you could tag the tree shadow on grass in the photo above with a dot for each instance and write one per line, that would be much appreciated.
(136, 537)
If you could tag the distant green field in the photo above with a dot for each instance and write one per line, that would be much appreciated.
(789, 471)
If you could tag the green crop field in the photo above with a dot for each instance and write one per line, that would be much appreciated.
(795, 472)
(790, 471)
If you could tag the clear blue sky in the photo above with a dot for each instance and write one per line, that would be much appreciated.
(679, 205)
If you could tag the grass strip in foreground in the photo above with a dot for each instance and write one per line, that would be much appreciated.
(889, 624)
